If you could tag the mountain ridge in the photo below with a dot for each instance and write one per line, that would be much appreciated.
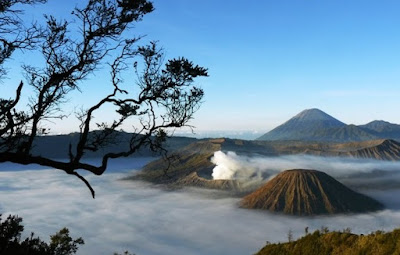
(316, 125)
(191, 165)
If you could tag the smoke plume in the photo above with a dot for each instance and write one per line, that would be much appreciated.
(233, 166)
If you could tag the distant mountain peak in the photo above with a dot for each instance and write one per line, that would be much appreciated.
(314, 114)
(315, 118)
(379, 122)
(303, 126)
(318, 126)
(383, 129)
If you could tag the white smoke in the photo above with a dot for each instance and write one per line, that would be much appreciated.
(233, 166)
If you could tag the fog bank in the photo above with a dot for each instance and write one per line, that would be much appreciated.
(352, 171)
(146, 220)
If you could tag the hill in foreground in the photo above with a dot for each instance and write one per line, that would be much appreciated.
(338, 243)
(308, 192)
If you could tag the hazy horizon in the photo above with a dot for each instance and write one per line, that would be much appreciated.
(246, 134)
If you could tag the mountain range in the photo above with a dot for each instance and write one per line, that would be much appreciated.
(57, 146)
(318, 126)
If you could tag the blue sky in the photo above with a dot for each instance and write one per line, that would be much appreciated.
(268, 60)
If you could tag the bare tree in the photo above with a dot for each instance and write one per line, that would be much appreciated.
(290, 236)
(164, 94)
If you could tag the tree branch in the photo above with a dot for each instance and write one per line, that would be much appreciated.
(163, 96)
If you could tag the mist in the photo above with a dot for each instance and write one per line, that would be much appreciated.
(146, 219)
(358, 173)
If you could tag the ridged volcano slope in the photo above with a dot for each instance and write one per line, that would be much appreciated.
(308, 192)
(374, 149)
(195, 180)
(386, 150)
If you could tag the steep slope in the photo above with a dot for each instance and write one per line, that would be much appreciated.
(386, 150)
(381, 149)
(308, 192)
(194, 180)
(192, 158)
(302, 126)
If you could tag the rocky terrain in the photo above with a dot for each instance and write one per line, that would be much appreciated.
(235, 187)
(308, 192)
(183, 162)
(374, 149)
(192, 166)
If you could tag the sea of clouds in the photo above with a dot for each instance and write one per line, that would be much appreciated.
(357, 173)
(146, 220)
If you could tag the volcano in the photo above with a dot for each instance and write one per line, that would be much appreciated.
(308, 192)
(303, 126)
(317, 126)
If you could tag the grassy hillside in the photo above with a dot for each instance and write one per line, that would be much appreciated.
(338, 243)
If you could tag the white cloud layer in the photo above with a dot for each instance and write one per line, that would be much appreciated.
(352, 171)
(147, 220)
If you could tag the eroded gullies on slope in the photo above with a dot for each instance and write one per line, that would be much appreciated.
(308, 192)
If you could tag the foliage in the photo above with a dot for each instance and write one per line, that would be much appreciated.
(61, 243)
(11, 243)
(338, 243)
(162, 98)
